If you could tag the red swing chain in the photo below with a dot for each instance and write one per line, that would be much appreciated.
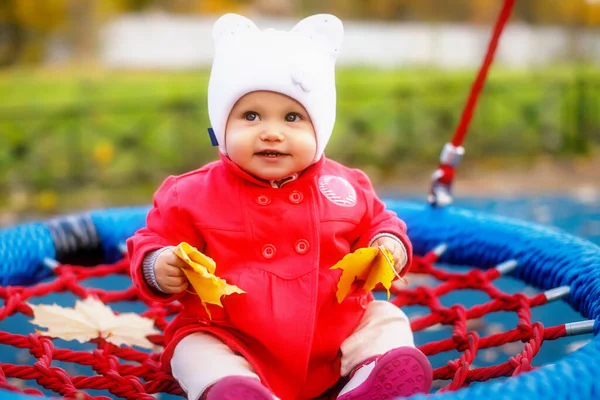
(440, 194)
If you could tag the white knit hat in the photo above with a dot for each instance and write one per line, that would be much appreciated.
(299, 63)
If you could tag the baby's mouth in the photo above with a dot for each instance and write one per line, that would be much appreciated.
(270, 154)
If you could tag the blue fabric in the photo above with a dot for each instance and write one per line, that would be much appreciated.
(114, 226)
(22, 252)
(547, 258)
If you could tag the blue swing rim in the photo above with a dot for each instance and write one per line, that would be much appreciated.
(547, 258)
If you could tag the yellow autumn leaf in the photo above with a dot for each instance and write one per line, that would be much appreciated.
(382, 271)
(90, 319)
(200, 272)
(368, 264)
(354, 266)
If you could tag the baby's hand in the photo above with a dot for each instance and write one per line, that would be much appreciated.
(169, 276)
(394, 247)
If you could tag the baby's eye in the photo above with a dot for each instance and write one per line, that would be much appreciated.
(293, 117)
(251, 116)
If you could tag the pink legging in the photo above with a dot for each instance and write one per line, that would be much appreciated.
(201, 359)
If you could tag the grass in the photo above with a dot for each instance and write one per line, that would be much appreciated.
(94, 136)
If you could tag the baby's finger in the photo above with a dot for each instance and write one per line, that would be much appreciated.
(399, 259)
(175, 270)
(174, 289)
(172, 259)
(174, 281)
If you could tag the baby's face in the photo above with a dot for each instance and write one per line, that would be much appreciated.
(270, 135)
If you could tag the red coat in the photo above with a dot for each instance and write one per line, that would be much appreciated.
(277, 244)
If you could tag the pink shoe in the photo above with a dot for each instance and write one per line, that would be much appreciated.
(400, 372)
(237, 388)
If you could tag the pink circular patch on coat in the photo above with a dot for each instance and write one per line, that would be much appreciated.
(337, 190)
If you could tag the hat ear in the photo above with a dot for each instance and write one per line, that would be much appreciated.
(327, 29)
(232, 24)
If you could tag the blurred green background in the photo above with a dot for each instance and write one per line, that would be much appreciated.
(77, 133)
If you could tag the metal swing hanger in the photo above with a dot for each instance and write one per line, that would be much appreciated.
(440, 193)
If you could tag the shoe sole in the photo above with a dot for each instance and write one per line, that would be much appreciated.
(238, 388)
(401, 372)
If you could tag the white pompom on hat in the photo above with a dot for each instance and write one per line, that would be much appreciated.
(299, 63)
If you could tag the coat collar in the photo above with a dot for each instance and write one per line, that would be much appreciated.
(303, 176)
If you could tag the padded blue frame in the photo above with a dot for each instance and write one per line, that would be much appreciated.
(547, 258)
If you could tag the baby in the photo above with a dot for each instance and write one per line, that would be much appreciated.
(275, 214)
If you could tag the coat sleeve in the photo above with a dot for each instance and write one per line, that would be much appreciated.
(166, 225)
(377, 219)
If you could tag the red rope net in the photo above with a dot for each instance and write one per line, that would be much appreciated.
(133, 374)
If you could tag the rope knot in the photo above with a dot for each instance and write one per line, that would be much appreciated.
(68, 278)
(40, 347)
(515, 360)
(459, 336)
(477, 277)
(520, 364)
(14, 291)
(447, 315)
(104, 362)
(424, 294)
(526, 331)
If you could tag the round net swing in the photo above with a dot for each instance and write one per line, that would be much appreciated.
(457, 251)
(548, 259)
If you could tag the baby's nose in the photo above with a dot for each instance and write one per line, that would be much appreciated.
(272, 135)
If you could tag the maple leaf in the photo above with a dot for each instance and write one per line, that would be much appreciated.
(369, 264)
(200, 271)
(90, 319)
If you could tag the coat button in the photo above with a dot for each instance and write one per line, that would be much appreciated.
(268, 251)
(263, 200)
(363, 302)
(296, 197)
(302, 246)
